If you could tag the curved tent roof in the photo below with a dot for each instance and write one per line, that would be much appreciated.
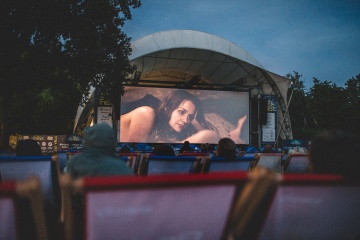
(179, 55)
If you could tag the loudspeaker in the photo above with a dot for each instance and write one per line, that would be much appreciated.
(263, 107)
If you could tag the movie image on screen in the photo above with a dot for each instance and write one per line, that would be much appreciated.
(157, 115)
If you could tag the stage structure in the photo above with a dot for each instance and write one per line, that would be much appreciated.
(199, 62)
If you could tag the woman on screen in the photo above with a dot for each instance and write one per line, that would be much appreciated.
(178, 118)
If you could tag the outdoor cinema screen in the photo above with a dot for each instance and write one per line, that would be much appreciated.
(168, 115)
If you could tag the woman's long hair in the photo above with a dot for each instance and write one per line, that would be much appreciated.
(172, 101)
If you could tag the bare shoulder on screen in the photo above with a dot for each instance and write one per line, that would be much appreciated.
(136, 125)
(144, 111)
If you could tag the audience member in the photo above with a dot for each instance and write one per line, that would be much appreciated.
(226, 148)
(186, 147)
(336, 152)
(268, 149)
(98, 155)
(164, 150)
(206, 147)
(28, 147)
(251, 149)
(125, 149)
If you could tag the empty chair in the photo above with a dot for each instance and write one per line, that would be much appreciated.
(46, 168)
(62, 155)
(309, 207)
(191, 206)
(297, 163)
(271, 161)
(132, 160)
(22, 212)
(169, 164)
(221, 164)
(185, 153)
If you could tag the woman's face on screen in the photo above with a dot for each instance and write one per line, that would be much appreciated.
(182, 116)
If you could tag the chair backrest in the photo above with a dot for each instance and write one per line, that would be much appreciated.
(297, 163)
(169, 164)
(249, 155)
(7, 210)
(216, 164)
(313, 207)
(271, 161)
(173, 206)
(22, 213)
(62, 155)
(131, 160)
(185, 153)
(44, 167)
(72, 152)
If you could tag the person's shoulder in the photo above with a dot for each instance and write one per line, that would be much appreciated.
(144, 112)
(145, 109)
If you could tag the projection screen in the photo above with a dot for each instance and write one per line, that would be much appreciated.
(155, 115)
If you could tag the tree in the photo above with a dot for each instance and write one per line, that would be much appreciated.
(351, 116)
(56, 50)
(301, 120)
(327, 103)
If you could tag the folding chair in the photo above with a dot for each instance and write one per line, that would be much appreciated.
(22, 212)
(308, 207)
(132, 160)
(215, 164)
(191, 206)
(297, 163)
(47, 169)
(169, 164)
(271, 161)
(185, 153)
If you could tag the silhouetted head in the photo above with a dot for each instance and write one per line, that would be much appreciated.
(28, 147)
(100, 136)
(226, 148)
(164, 150)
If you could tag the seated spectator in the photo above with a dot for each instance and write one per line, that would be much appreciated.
(268, 149)
(226, 148)
(186, 147)
(336, 152)
(28, 147)
(163, 150)
(125, 149)
(250, 149)
(98, 155)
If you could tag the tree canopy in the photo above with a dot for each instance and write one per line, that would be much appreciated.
(51, 52)
(325, 106)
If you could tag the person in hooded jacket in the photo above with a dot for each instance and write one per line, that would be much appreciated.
(98, 156)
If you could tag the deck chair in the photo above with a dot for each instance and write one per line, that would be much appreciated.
(310, 207)
(22, 212)
(172, 206)
(169, 164)
(186, 153)
(271, 161)
(47, 169)
(221, 164)
(297, 163)
(132, 160)
(62, 155)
